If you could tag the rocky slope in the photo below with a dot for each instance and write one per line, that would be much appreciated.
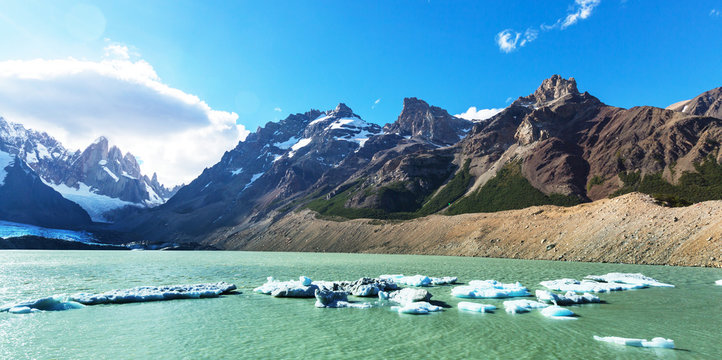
(100, 178)
(630, 229)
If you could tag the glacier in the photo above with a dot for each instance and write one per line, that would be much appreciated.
(9, 229)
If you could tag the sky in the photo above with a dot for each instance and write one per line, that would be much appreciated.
(177, 83)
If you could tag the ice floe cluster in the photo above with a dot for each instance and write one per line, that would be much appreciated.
(306, 288)
(657, 342)
(419, 280)
(485, 289)
(604, 283)
(136, 294)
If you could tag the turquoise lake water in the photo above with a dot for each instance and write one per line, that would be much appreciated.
(252, 326)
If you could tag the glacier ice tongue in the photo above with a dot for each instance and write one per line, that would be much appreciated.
(481, 289)
(476, 307)
(657, 342)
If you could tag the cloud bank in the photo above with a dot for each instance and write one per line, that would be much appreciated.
(509, 40)
(473, 114)
(176, 134)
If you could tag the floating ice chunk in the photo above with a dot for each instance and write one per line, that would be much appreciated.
(406, 296)
(419, 280)
(556, 312)
(305, 281)
(718, 282)
(587, 286)
(475, 307)
(51, 303)
(22, 310)
(522, 306)
(444, 280)
(570, 298)
(417, 308)
(289, 288)
(478, 289)
(336, 299)
(657, 342)
(628, 278)
(365, 286)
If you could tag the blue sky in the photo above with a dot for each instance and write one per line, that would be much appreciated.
(253, 58)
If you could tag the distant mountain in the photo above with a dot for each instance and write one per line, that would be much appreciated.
(100, 179)
(708, 103)
(556, 145)
(26, 199)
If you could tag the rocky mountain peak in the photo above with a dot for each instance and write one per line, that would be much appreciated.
(708, 103)
(432, 123)
(342, 110)
(550, 90)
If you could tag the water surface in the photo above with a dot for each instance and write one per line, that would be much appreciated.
(251, 326)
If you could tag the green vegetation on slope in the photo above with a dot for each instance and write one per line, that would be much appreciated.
(692, 187)
(508, 190)
(335, 206)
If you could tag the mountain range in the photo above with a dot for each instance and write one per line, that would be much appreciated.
(556, 146)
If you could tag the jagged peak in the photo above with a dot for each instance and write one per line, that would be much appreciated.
(551, 89)
(100, 140)
(342, 110)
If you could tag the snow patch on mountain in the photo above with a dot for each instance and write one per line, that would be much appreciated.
(253, 179)
(300, 144)
(94, 204)
(286, 144)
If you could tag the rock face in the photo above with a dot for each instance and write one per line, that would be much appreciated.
(24, 198)
(432, 123)
(99, 174)
(708, 103)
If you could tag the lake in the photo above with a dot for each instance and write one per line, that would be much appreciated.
(251, 326)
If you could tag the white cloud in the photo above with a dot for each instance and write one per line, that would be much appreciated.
(175, 133)
(476, 115)
(714, 12)
(277, 109)
(376, 102)
(509, 40)
(583, 10)
(117, 51)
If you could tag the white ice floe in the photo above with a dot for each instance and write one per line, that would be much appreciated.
(570, 298)
(405, 296)
(657, 342)
(337, 299)
(480, 289)
(718, 282)
(475, 307)
(137, 294)
(419, 280)
(557, 312)
(417, 308)
(291, 288)
(586, 286)
(522, 306)
(628, 278)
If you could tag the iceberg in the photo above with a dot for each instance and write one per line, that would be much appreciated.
(522, 306)
(289, 288)
(628, 278)
(306, 288)
(419, 280)
(718, 282)
(336, 299)
(657, 342)
(475, 307)
(417, 308)
(570, 298)
(305, 280)
(586, 286)
(478, 289)
(136, 294)
(406, 296)
(557, 312)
